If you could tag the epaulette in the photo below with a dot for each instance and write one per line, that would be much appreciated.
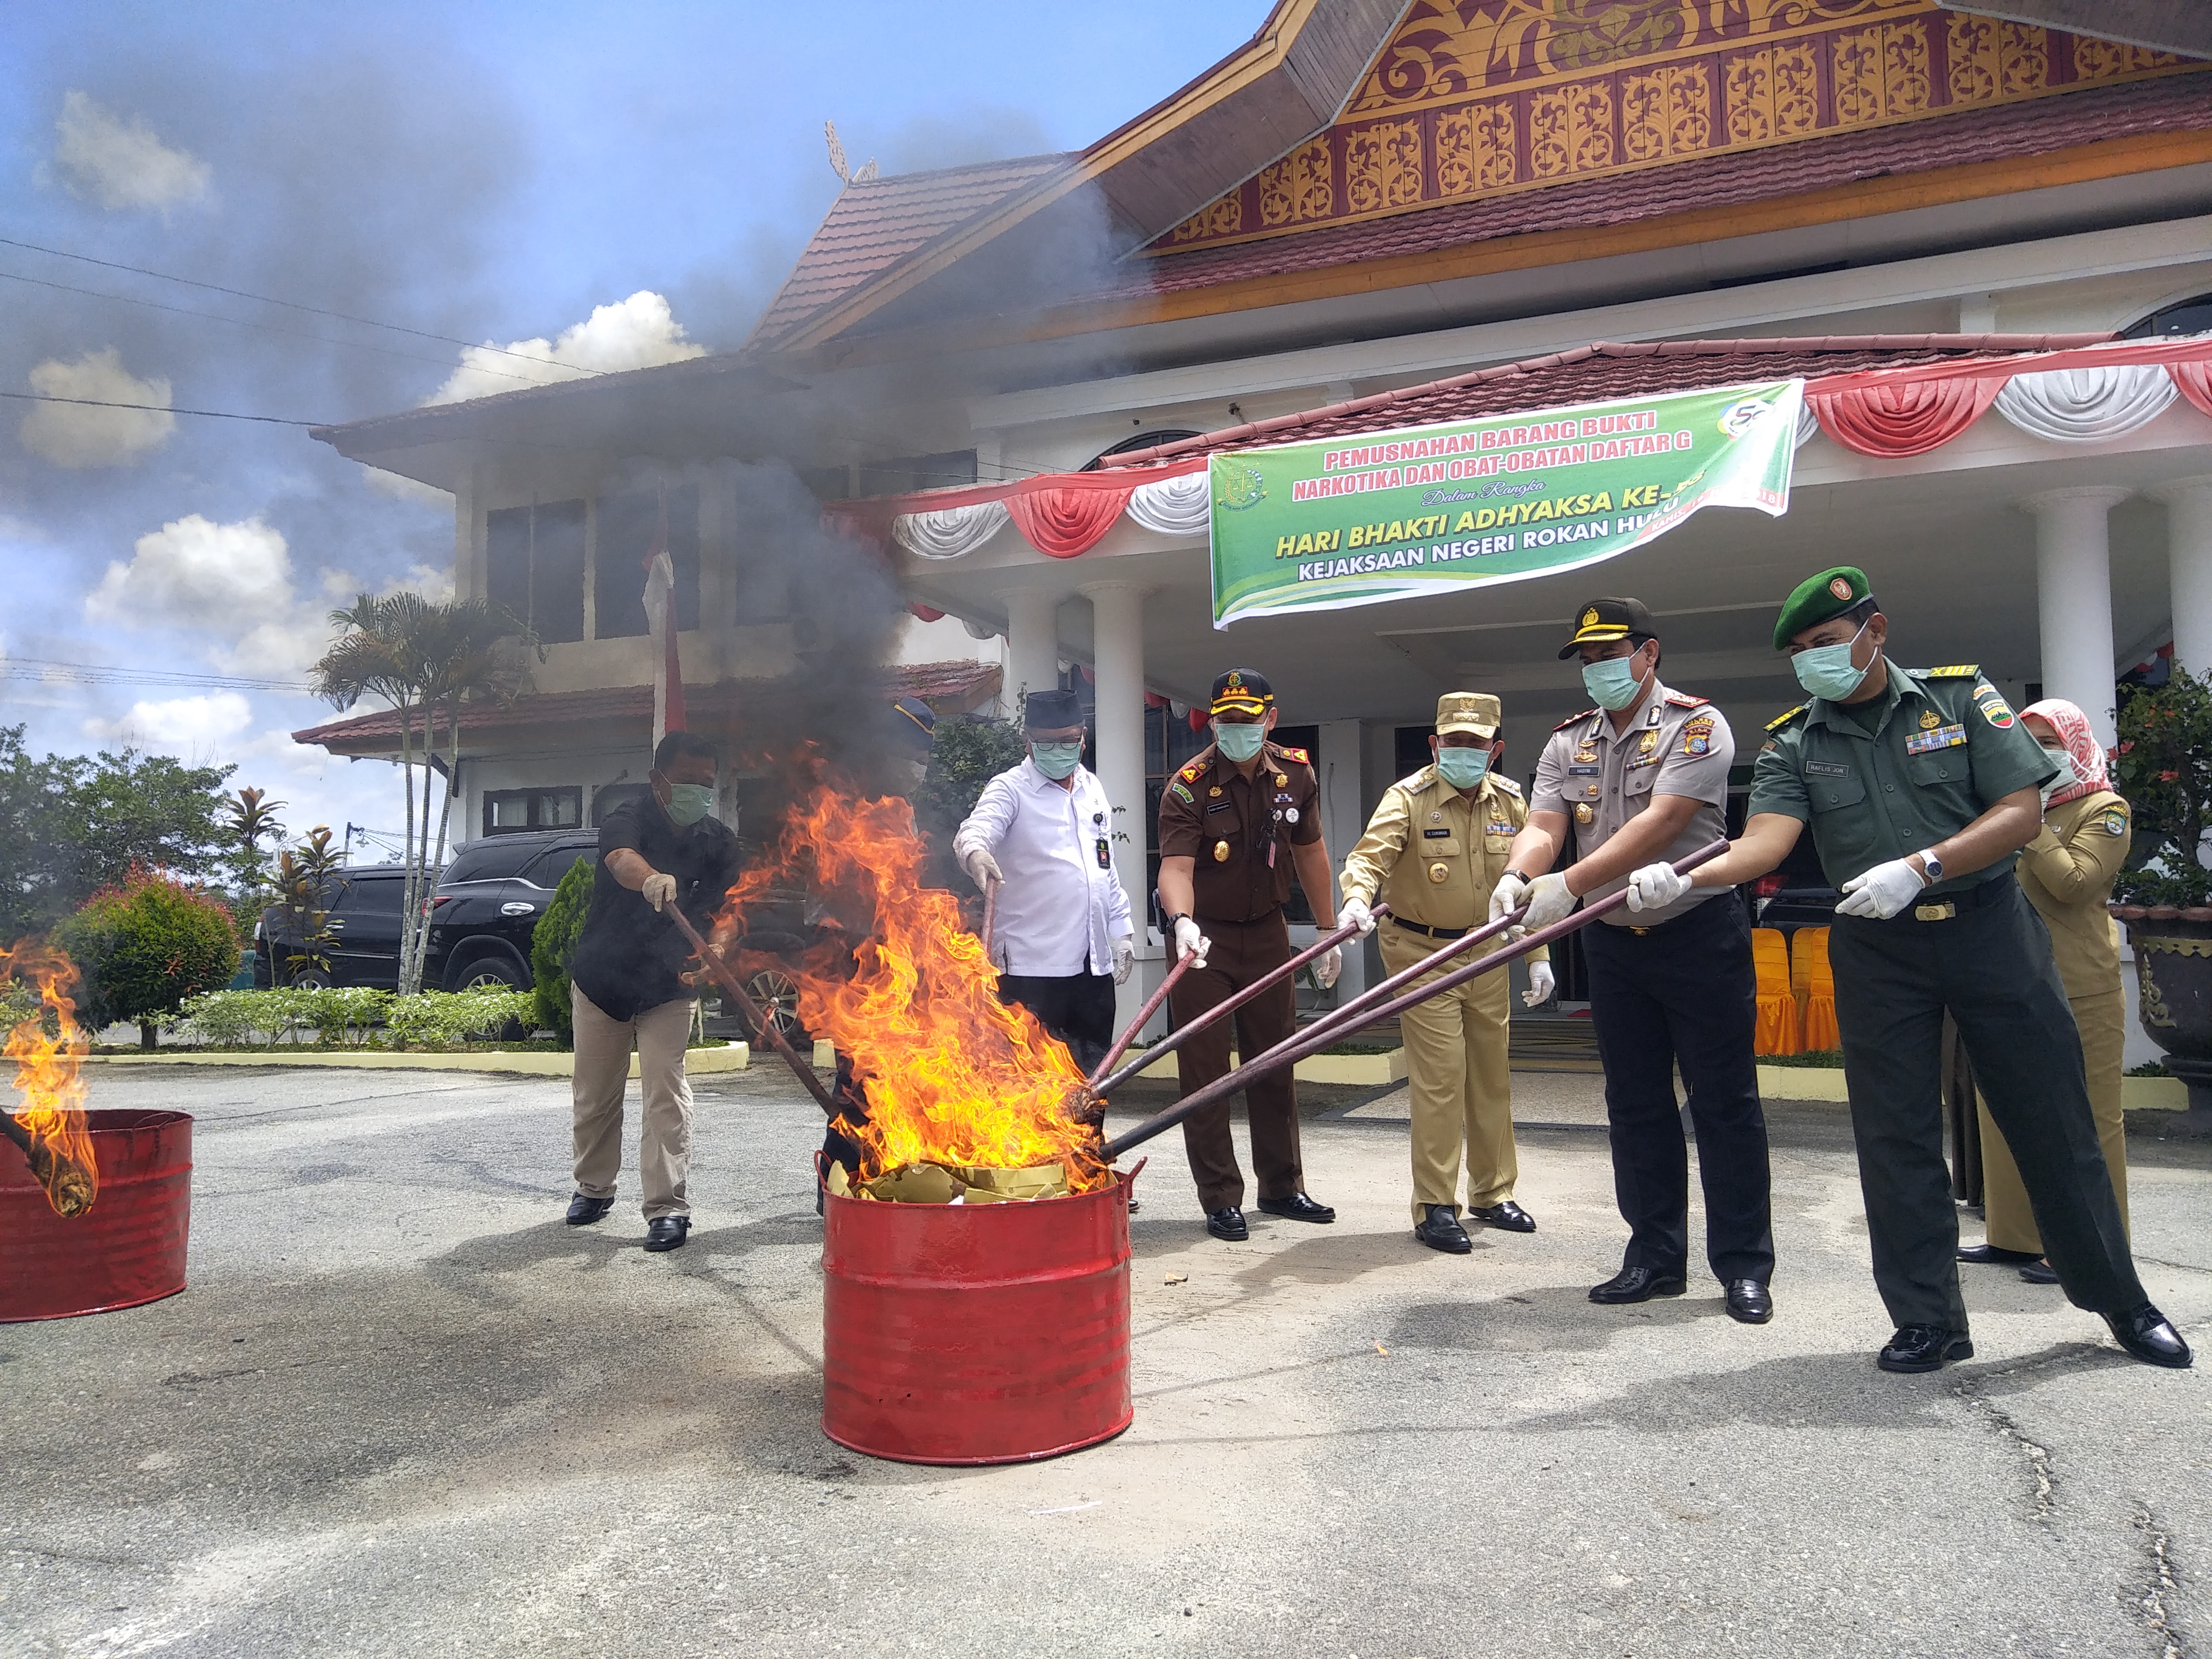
(1684, 700)
(1189, 773)
(1781, 720)
(1414, 783)
(1573, 719)
(1506, 784)
(1297, 755)
(1957, 671)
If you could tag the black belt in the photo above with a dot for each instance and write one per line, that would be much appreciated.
(1943, 906)
(1432, 933)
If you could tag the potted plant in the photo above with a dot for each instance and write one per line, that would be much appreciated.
(2163, 765)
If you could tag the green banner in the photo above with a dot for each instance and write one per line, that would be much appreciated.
(1440, 509)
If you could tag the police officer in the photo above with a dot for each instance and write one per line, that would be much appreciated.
(1434, 849)
(1233, 824)
(1921, 787)
(1640, 780)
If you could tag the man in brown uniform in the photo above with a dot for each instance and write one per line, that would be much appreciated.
(1233, 824)
(1434, 849)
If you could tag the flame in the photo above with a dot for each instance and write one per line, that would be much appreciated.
(48, 1077)
(952, 1075)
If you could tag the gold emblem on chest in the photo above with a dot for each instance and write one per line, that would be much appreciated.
(1221, 852)
(1439, 870)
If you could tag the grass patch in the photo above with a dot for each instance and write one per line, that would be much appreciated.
(2149, 1068)
(1819, 1060)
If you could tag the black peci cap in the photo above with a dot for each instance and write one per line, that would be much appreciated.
(1604, 620)
(1051, 711)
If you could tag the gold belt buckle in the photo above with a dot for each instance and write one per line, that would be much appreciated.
(1941, 912)
(1639, 932)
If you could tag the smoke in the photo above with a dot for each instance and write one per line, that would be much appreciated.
(639, 332)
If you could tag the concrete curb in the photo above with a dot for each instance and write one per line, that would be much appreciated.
(2155, 1094)
(697, 1062)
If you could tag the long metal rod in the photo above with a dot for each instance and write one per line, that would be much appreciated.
(1313, 1040)
(1104, 1083)
(1129, 1032)
(990, 912)
(711, 959)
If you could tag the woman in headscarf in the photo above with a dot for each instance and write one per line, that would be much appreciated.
(2068, 872)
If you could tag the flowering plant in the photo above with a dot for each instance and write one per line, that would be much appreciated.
(2163, 765)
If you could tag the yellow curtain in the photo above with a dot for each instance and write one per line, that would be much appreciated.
(1777, 1031)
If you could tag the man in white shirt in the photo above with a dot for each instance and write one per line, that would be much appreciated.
(1042, 834)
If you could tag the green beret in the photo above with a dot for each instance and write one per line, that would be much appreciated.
(1818, 598)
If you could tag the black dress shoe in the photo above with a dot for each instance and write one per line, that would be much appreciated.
(1992, 1255)
(1924, 1348)
(1228, 1222)
(1637, 1285)
(2146, 1335)
(667, 1232)
(583, 1212)
(1296, 1207)
(2039, 1272)
(1440, 1231)
(1509, 1215)
(1749, 1301)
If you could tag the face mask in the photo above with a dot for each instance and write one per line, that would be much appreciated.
(1056, 760)
(1826, 671)
(2066, 778)
(1239, 742)
(1462, 769)
(1612, 682)
(689, 802)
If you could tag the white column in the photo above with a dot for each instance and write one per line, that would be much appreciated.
(1117, 632)
(2189, 554)
(1342, 823)
(1032, 644)
(2074, 599)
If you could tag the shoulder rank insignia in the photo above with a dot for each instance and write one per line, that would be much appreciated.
(1572, 719)
(1414, 783)
(1189, 774)
(1506, 784)
(1957, 671)
(1297, 755)
(1684, 700)
(1781, 720)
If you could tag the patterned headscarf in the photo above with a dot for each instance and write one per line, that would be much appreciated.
(2082, 748)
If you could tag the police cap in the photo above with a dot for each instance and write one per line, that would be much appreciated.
(1602, 621)
(1242, 691)
(914, 728)
(1468, 711)
(1818, 598)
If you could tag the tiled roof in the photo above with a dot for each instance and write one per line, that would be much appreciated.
(873, 225)
(1592, 374)
(2180, 103)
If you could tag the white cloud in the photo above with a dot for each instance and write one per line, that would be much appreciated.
(78, 435)
(121, 163)
(191, 726)
(638, 333)
(400, 487)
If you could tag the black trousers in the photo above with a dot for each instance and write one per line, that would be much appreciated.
(1684, 994)
(1077, 1008)
(1991, 965)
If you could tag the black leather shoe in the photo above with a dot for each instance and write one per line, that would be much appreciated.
(2146, 1335)
(1509, 1215)
(2039, 1272)
(1228, 1222)
(1637, 1285)
(1924, 1348)
(1296, 1207)
(1749, 1301)
(1440, 1231)
(583, 1212)
(1990, 1256)
(667, 1232)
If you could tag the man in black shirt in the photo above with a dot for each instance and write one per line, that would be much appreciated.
(627, 985)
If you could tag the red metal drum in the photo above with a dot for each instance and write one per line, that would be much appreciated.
(127, 1249)
(977, 1333)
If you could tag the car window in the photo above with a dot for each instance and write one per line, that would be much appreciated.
(372, 893)
(549, 866)
(495, 858)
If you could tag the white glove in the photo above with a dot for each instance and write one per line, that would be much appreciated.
(1328, 965)
(1882, 891)
(982, 869)
(659, 890)
(1189, 942)
(1549, 900)
(1125, 959)
(1505, 898)
(1655, 887)
(1355, 911)
(1541, 985)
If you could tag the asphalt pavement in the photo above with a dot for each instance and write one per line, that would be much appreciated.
(401, 1409)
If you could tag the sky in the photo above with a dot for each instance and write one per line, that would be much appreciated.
(582, 187)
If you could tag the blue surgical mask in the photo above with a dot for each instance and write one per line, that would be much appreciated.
(1462, 767)
(1242, 742)
(1056, 760)
(1826, 671)
(689, 802)
(1612, 682)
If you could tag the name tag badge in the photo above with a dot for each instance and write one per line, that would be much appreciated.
(1584, 771)
(1105, 854)
(1938, 737)
(1827, 769)
(1435, 834)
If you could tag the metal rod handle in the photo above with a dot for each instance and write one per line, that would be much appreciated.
(1129, 1035)
(711, 959)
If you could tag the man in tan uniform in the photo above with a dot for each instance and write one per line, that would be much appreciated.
(1433, 851)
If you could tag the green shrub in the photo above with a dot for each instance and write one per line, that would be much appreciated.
(145, 946)
(454, 1017)
(341, 1015)
(2163, 765)
(237, 1019)
(552, 943)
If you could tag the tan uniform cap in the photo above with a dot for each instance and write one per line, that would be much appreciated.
(1468, 711)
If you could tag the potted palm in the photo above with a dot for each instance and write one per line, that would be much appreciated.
(2163, 764)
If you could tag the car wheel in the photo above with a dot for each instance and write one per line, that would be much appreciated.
(777, 994)
(312, 979)
(492, 974)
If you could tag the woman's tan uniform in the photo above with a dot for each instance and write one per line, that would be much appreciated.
(2068, 872)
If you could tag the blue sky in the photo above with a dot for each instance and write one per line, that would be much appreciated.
(493, 172)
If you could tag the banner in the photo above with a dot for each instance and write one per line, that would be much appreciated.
(1441, 509)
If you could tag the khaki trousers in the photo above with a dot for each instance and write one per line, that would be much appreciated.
(2009, 1224)
(1458, 1075)
(603, 1046)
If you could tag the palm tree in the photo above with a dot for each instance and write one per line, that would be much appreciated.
(252, 820)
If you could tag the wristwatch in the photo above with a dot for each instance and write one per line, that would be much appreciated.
(1932, 867)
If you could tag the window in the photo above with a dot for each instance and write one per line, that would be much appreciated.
(908, 473)
(626, 531)
(1169, 743)
(367, 895)
(489, 861)
(548, 867)
(610, 796)
(534, 567)
(2188, 317)
(506, 810)
(1140, 441)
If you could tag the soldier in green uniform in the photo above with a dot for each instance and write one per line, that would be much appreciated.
(1921, 787)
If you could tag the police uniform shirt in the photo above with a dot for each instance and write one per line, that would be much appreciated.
(1599, 779)
(1432, 855)
(1240, 830)
(1937, 749)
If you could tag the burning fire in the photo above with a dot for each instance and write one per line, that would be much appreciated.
(952, 1076)
(50, 1124)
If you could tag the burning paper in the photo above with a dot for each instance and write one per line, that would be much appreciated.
(50, 1124)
